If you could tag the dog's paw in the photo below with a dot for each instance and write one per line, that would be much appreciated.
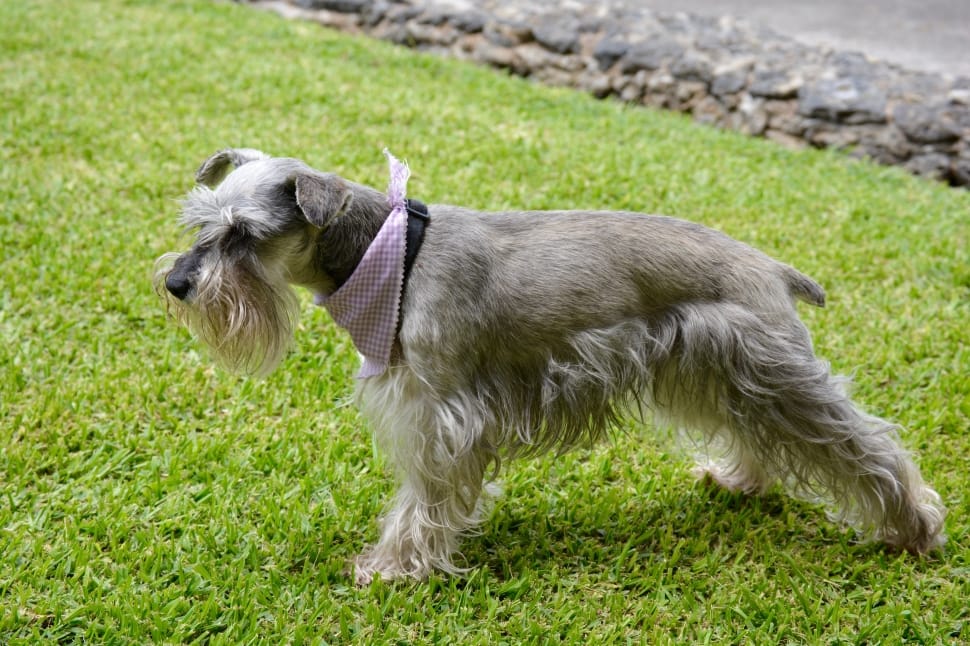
(362, 576)
(365, 569)
(375, 564)
(732, 479)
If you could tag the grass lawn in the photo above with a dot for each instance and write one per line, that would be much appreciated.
(147, 497)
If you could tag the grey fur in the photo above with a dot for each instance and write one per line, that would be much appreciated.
(536, 331)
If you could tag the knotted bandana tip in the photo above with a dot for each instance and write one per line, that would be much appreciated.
(368, 304)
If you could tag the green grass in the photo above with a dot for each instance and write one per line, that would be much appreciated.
(146, 497)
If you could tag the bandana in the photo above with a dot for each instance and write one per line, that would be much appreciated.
(368, 304)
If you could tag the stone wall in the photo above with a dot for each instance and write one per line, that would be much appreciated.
(725, 72)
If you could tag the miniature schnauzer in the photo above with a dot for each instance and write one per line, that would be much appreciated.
(487, 336)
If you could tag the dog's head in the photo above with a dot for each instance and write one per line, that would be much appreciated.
(257, 222)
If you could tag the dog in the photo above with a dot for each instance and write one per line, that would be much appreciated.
(509, 334)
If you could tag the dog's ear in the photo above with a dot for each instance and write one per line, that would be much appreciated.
(322, 197)
(215, 168)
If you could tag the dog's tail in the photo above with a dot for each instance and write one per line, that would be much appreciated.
(804, 288)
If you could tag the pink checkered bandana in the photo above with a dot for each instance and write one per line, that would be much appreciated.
(368, 304)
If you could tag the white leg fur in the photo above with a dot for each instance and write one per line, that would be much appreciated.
(743, 476)
(442, 466)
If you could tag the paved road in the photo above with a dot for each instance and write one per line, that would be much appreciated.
(930, 35)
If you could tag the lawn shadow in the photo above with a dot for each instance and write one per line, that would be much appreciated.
(678, 528)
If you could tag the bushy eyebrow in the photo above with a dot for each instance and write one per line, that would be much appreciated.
(215, 215)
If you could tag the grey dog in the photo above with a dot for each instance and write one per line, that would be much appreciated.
(522, 332)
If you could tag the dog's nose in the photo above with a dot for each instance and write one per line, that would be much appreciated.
(178, 285)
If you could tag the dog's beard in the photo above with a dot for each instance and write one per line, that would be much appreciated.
(246, 319)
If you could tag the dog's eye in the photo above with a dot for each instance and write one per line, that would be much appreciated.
(235, 237)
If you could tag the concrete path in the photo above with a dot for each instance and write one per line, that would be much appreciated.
(928, 35)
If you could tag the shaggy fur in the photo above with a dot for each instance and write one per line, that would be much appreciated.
(528, 332)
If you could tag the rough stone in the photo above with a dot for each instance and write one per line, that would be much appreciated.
(560, 36)
(402, 13)
(693, 66)
(729, 82)
(918, 87)
(491, 54)
(374, 13)
(651, 55)
(754, 117)
(608, 51)
(886, 146)
(959, 95)
(532, 58)
(725, 72)
(598, 85)
(933, 165)
(343, 6)
(657, 83)
(826, 134)
(508, 34)
(851, 63)
(434, 16)
(847, 99)
(470, 22)
(775, 84)
(926, 124)
(710, 111)
(689, 94)
(785, 139)
(634, 87)
(555, 76)
(420, 33)
(960, 171)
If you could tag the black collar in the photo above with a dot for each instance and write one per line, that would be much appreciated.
(417, 222)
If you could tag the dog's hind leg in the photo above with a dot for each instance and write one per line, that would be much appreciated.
(793, 419)
(442, 467)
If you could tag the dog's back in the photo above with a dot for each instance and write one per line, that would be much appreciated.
(575, 270)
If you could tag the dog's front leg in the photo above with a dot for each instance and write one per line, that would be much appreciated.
(437, 449)
(421, 532)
